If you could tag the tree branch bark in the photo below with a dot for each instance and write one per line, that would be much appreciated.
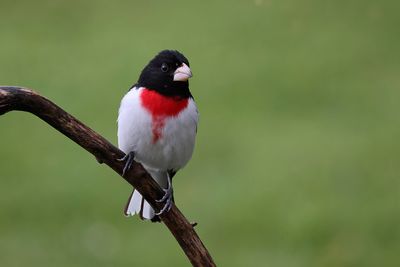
(23, 99)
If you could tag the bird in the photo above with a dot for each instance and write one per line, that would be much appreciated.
(157, 127)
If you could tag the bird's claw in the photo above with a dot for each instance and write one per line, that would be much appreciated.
(167, 205)
(168, 193)
(129, 158)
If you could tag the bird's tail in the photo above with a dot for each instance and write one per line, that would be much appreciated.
(138, 205)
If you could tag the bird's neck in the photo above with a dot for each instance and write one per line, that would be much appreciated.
(160, 105)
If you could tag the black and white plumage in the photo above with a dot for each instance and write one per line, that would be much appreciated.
(158, 122)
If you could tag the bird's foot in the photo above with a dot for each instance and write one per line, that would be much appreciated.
(129, 158)
(168, 193)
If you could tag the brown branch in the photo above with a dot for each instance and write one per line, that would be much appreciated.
(23, 99)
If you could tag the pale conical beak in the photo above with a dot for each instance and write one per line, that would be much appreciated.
(183, 73)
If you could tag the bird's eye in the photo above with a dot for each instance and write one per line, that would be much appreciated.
(177, 64)
(164, 67)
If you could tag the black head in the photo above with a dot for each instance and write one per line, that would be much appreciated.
(168, 74)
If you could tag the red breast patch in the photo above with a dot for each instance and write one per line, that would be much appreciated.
(161, 107)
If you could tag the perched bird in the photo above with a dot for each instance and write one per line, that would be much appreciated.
(157, 125)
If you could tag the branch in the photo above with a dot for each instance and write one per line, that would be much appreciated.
(23, 99)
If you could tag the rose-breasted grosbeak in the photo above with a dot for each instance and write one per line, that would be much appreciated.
(157, 126)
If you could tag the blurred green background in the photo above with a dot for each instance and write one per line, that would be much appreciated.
(297, 157)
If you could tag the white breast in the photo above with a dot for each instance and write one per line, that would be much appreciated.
(175, 147)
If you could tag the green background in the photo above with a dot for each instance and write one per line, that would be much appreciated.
(297, 156)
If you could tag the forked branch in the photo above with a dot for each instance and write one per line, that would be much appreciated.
(23, 99)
